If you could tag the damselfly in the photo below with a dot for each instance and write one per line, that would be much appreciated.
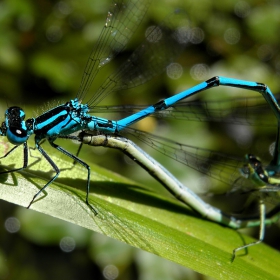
(162, 45)
(246, 175)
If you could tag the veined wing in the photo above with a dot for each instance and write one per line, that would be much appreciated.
(220, 166)
(122, 20)
(162, 46)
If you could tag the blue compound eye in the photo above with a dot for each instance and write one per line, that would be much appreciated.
(17, 135)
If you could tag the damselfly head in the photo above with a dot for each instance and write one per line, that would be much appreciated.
(14, 126)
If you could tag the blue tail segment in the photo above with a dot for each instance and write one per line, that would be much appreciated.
(162, 46)
(72, 117)
(213, 82)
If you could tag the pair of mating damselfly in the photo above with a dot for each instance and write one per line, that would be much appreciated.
(162, 45)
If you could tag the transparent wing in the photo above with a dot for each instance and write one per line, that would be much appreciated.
(122, 20)
(220, 166)
(162, 45)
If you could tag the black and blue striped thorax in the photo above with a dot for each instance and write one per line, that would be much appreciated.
(61, 120)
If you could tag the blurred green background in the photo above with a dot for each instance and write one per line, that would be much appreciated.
(44, 46)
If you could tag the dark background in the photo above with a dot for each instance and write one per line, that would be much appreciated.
(44, 47)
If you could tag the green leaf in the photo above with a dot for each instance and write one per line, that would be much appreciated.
(138, 216)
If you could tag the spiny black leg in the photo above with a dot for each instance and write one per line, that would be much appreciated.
(54, 166)
(25, 158)
(75, 158)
